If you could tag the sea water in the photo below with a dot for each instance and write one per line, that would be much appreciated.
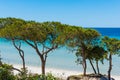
(60, 58)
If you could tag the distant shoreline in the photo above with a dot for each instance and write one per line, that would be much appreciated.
(56, 72)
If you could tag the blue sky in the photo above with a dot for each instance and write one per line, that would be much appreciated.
(86, 13)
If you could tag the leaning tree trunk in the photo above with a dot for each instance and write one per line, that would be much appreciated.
(21, 53)
(110, 67)
(92, 66)
(23, 61)
(84, 65)
(84, 62)
(98, 71)
(0, 60)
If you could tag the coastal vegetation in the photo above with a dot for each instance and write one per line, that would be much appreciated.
(86, 43)
(112, 46)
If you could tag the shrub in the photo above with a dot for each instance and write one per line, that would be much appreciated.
(6, 72)
(48, 76)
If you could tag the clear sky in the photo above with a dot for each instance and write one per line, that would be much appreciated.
(86, 13)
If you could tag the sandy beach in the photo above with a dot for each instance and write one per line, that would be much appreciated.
(56, 72)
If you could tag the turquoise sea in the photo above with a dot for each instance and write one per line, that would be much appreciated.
(60, 58)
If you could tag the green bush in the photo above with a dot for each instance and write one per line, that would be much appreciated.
(6, 72)
(48, 76)
(22, 75)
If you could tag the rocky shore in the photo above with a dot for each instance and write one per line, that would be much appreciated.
(88, 77)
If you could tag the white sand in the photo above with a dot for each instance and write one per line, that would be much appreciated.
(116, 77)
(56, 72)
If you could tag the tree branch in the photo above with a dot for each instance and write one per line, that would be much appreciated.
(50, 49)
(30, 44)
(43, 48)
(21, 52)
(17, 69)
(37, 50)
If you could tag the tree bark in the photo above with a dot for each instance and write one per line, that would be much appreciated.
(0, 60)
(43, 63)
(84, 62)
(84, 66)
(17, 70)
(23, 61)
(110, 67)
(92, 66)
(98, 71)
(21, 53)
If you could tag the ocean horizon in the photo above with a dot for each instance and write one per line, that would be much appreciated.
(61, 58)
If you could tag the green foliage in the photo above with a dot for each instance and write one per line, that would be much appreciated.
(97, 53)
(33, 33)
(23, 75)
(112, 45)
(11, 27)
(87, 42)
(50, 35)
(48, 76)
(6, 72)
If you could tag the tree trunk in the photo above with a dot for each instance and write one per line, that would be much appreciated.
(84, 66)
(0, 60)
(84, 62)
(21, 53)
(42, 55)
(98, 71)
(92, 66)
(43, 63)
(42, 59)
(110, 67)
(23, 61)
